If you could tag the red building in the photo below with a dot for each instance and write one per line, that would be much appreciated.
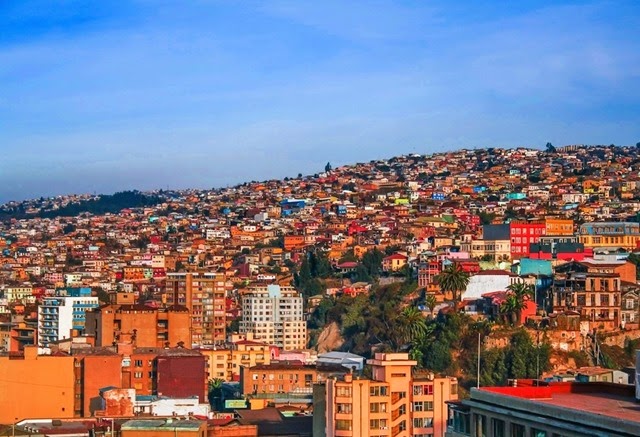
(522, 234)
(181, 373)
(468, 265)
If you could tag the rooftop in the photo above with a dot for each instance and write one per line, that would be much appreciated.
(183, 425)
(608, 400)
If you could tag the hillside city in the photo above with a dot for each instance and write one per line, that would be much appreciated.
(477, 292)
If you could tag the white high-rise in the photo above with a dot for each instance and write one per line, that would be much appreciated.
(275, 315)
(60, 315)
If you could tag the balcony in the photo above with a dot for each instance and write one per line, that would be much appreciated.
(397, 396)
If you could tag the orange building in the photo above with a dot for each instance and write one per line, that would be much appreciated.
(94, 369)
(36, 386)
(626, 269)
(293, 242)
(204, 294)
(392, 403)
(556, 226)
(149, 327)
(133, 273)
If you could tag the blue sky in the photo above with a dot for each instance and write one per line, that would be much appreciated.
(99, 96)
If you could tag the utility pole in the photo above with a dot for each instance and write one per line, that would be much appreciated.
(478, 370)
(538, 354)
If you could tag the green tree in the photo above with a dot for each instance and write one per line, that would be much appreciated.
(214, 392)
(372, 262)
(453, 279)
(319, 264)
(438, 356)
(486, 218)
(348, 256)
(522, 293)
(409, 326)
(431, 302)
(304, 275)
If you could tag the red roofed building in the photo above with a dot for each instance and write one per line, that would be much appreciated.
(537, 408)
(394, 263)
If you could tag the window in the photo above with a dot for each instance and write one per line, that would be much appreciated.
(343, 391)
(377, 390)
(423, 406)
(604, 300)
(137, 374)
(461, 422)
(481, 425)
(454, 389)
(582, 300)
(422, 422)
(538, 433)
(343, 425)
(344, 408)
(498, 428)
(378, 424)
(138, 363)
(518, 430)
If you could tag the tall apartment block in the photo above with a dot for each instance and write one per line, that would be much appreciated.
(392, 403)
(61, 315)
(204, 294)
(274, 314)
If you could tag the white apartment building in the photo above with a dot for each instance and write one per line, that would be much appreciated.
(275, 315)
(59, 315)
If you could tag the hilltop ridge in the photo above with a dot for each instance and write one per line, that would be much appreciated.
(566, 164)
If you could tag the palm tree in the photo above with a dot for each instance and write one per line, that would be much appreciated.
(453, 279)
(410, 325)
(431, 302)
(509, 308)
(522, 293)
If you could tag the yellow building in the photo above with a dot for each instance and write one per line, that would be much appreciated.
(392, 403)
(244, 352)
(624, 235)
(36, 386)
(495, 249)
